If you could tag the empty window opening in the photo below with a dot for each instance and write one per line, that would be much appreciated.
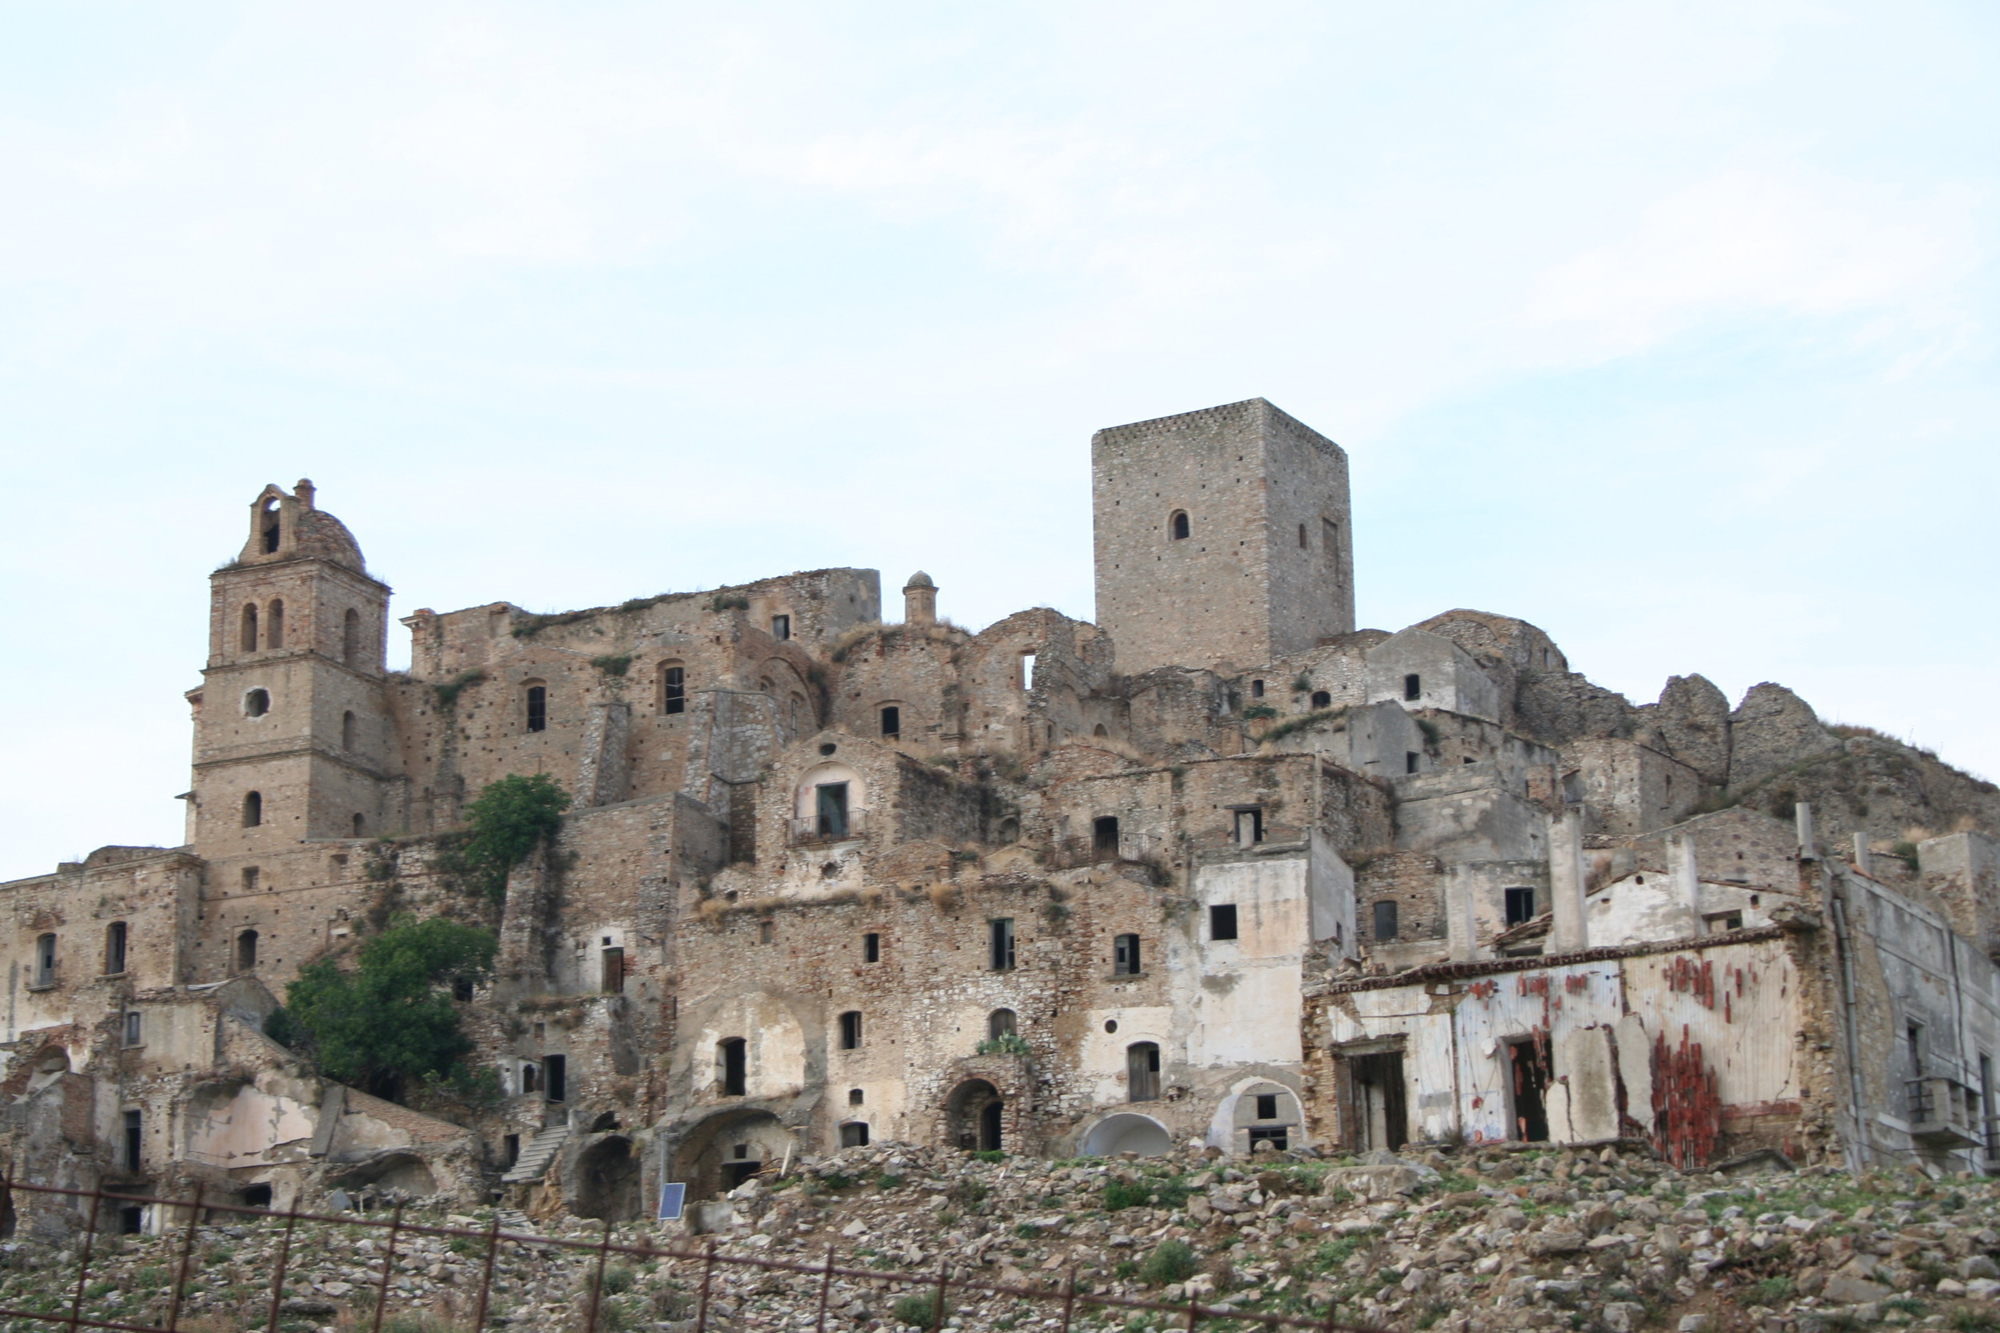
(1125, 956)
(1250, 826)
(1002, 1023)
(1411, 759)
(461, 989)
(510, 1151)
(45, 960)
(1303, 544)
(1520, 906)
(1279, 1139)
(871, 948)
(360, 826)
(538, 708)
(855, 1097)
(135, 1028)
(531, 1078)
(1099, 732)
(256, 703)
(830, 800)
(795, 720)
(350, 730)
(611, 976)
(1386, 924)
(272, 525)
(1267, 1106)
(274, 629)
(854, 1134)
(249, 639)
(1915, 1035)
(850, 1030)
(350, 637)
(246, 951)
(1380, 1116)
(257, 1196)
(781, 627)
(892, 721)
(114, 948)
(730, 1052)
(1723, 922)
(673, 688)
(555, 1077)
(1329, 536)
(1256, 689)
(1178, 525)
(1321, 699)
(253, 809)
(1142, 1072)
(1001, 940)
(1413, 686)
(1104, 835)
(132, 1220)
(1027, 671)
(135, 1141)
(251, 874)
(1222, 921)
(1530, 1082)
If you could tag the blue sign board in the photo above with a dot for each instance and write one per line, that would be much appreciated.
(672, 1196)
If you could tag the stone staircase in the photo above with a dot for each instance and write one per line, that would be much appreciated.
(535, 1158)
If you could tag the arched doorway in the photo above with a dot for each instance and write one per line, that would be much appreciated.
(727, 1149)
(1127, 1132)
(607, 1181)
(977, 1117)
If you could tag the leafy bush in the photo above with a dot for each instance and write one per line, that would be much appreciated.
(613, 664)
(618, 1279)
(391, 1019)
(1125, 1194)
(1171, 1261)
(1259, 710)
(510, 818)
(920, 1310)
(448, 691)
(1007, 1043)
(728, 602)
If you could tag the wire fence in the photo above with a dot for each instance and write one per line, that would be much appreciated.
(706, 1258)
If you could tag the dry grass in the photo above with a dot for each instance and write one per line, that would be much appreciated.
(944, 896)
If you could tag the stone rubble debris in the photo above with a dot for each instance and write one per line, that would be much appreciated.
(1454, 1241)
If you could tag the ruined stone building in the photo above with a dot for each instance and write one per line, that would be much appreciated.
(1219, 866)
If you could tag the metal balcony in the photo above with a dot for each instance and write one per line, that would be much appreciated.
(1944, 1113)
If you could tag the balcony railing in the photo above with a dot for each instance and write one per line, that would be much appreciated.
(1944, 1113)
(823, 828)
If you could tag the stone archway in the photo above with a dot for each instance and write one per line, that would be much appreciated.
(1127, 1131)
(976, 1117)
(728, 1148)
(607, 1181)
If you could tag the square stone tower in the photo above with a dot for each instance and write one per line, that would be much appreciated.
(1222, 536)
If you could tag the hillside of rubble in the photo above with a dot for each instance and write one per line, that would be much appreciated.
(1609, 1239)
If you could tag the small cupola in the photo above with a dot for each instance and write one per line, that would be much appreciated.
(919, 599)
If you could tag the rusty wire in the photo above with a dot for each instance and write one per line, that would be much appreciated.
(1066, 1298)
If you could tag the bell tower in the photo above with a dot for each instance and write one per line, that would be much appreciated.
(292, 736)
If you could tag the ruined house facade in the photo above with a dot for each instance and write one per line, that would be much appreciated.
(1218, 867)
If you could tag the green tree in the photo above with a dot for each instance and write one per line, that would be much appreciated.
(508, 820)
(391, 1020)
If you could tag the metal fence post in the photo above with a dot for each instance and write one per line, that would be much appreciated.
(937, 1311)
(83, 1265)
(597, 1283)
(707, 1272)
(187, 1254)
(486, 1278)
(825, 1287)
(284, 1257)
(388, 1268)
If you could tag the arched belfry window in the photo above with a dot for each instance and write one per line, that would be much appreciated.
(350, 637)
(249, 639)
(253, 809)
(1178, 527)
(272, 524)
(274, 628)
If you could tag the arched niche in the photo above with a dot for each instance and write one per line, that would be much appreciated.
(1127, 1131)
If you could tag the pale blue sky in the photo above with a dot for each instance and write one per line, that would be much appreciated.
(1669, 327)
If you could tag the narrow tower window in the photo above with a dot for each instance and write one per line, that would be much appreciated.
(114, 948)
(1177, 526)
(135, 1140)
(892, 721)
(45, 960)
(350, 637)
(673, 688)
(538, 708)
(1303, 544)
(850, 1030)
(253, 809)
(1001, 940)
(871, 947)
(274, 632)
(250, 628)
(1125, 956)
(349, 728)
(360, 825)
(730, 1054)
(271, 526)
(246, 951)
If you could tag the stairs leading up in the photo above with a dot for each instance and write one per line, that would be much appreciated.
(535, 1158)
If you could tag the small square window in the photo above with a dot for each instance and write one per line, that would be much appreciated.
(871, 948)
(1267, 1106)
(781, 627)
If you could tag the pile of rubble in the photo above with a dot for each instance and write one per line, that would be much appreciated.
(1458, 1242)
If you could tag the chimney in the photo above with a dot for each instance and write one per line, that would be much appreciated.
(1808, 836)
(303, 493)
(1685, 874)
(1569, 931)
